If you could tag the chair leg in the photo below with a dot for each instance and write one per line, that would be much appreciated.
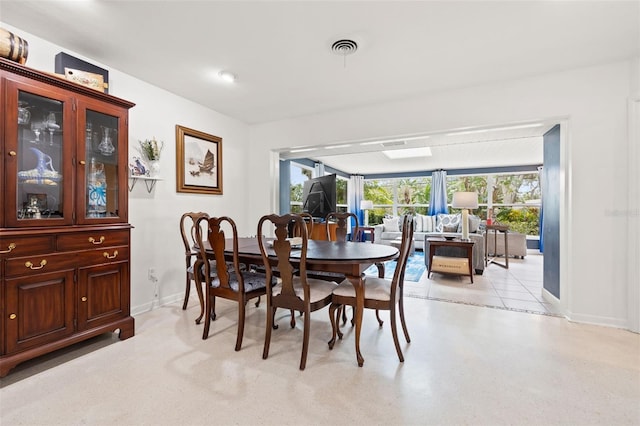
(241, 316)
(258, 301)
(305, 341)
(213, 308)
(293, 318)
(402, 321)
(187, 290)
(394, 332)
(378, 317)
(207, 309)
(270, 325)
(344, 314)
(334, 317)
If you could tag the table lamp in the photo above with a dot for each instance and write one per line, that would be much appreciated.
(465, 201)
(366, 205)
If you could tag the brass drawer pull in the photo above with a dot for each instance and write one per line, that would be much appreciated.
(83, 162)
(13, 316)
(84, 298)
(30, 265)
(96, 243)
(115, 254)
(12, 153)
(10, 247)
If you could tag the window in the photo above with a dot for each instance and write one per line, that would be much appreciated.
(397, 196)
(299, 174)
(513, 197)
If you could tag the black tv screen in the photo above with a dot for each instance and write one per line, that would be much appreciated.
(319, 196)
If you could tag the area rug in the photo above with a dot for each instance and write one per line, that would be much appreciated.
(414, 270)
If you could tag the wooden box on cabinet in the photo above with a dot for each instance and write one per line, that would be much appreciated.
(64, 231)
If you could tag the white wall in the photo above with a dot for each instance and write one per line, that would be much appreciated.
(594, 103)
(155, 239)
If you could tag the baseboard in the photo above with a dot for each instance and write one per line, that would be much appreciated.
(582, 318)
(598, 320)
(155, 304)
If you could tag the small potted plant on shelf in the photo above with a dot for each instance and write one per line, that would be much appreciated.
(151, 150)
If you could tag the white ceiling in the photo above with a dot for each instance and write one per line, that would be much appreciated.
(281, 50)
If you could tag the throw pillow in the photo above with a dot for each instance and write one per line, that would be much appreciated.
(450, 221)
(420, 221)
(417, 222)
(429, 224)
(391, 224)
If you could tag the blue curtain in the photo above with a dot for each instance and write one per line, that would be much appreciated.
(356, 194)
(438, 198)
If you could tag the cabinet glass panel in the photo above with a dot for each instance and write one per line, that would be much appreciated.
(101, 148)
(40, 160)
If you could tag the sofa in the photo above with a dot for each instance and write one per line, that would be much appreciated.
(440, 225)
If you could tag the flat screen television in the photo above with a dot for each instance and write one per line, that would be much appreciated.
(319, 196)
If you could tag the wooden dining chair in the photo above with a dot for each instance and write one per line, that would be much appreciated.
(188, 232)
(379, 293)
(342, 226)
(294, 290)
(229, 282)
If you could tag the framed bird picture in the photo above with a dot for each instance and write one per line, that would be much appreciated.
(199, 162)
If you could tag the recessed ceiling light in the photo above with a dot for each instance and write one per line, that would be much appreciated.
(227, 76)
(408, 153)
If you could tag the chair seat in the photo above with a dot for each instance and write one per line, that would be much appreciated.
(374, 288)
(318, 289)
(252, 281)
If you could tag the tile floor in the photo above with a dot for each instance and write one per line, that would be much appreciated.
(518, 288)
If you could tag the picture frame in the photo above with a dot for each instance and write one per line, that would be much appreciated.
(198, 162)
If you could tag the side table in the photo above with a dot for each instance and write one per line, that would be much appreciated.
(434, 243)
(496, 229)
(362, 234)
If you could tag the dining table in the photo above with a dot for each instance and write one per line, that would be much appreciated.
(348, 258)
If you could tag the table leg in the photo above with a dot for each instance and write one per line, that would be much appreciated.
(470, 260)
(358, 285)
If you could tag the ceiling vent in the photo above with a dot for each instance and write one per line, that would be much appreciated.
(344, 48)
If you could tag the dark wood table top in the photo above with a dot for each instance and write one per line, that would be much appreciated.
(327, 252)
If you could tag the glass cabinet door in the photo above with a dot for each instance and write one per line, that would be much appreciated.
(100, 151)
(38, 166)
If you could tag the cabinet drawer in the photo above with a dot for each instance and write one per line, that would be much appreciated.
(92, 240)
(106, 255)
(22, 246)
(36, 264)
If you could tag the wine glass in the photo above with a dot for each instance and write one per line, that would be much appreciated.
(51, 125)
(36, 127)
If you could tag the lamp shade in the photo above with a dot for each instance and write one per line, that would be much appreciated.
(366, 204)
(465, 200)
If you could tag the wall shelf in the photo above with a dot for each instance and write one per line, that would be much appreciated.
(150, 182)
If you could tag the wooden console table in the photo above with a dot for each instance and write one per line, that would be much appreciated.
(434, 243)
(496, 228)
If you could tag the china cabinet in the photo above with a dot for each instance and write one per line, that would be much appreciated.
(64, 231)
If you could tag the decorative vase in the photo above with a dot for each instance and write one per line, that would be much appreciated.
(154, 168)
